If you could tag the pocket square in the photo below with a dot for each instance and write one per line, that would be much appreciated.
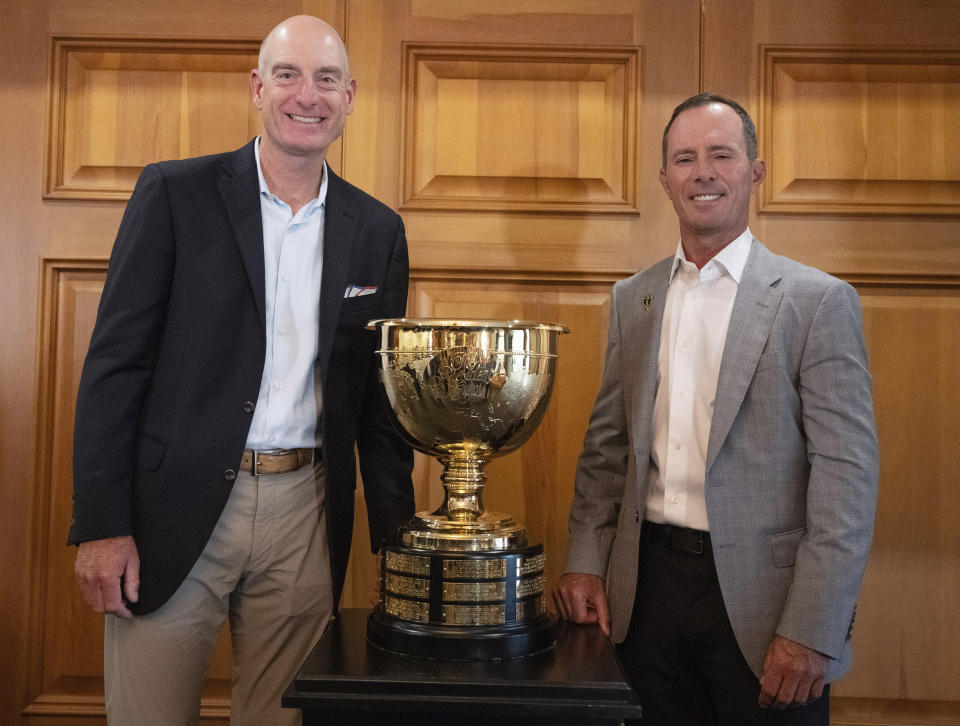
(359, 290)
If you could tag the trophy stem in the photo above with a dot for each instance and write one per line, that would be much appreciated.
(463, 482)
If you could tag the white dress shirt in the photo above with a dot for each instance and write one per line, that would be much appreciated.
(288, 408)
(695, 320)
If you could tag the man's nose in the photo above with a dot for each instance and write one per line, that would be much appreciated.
(308, 92)
(704, 170)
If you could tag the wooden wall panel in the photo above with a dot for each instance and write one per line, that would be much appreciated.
(146, 88)
(906, 635)
(119, 104)
(854, 131)
(520, 128)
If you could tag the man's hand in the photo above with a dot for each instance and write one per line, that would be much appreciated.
(100, 566)
(581, 598)
(793, 674)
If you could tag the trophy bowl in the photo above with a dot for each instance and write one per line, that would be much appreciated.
(461, 582)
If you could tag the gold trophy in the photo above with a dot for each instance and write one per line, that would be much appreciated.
(462, 583)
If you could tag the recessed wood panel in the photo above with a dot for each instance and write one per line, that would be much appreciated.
(117, 105)
(520, 128)
(905, 637)
(67, 636)
(859, 131)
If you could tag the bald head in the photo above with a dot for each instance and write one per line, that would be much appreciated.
(303, 90)
(301, 29)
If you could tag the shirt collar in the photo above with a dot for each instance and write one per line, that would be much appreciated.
(265, 190)
(732, 258)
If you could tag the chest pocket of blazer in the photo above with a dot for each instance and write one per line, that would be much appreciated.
(784, 547)
(360, 307)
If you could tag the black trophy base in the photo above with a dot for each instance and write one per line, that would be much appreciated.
(461, 643)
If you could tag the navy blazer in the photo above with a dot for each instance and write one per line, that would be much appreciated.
(175, 362)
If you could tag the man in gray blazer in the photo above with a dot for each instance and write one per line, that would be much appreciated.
(726, 491)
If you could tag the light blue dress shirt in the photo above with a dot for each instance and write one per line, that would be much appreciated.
(288, 406)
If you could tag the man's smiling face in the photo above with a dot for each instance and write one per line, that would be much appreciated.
(708, 175)
(303, 88)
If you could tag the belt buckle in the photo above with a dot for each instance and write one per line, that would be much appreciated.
(255, 466)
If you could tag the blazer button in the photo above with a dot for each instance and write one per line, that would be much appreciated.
(248, 406)
(229, 475)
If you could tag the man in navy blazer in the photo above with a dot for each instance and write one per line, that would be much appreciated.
(228, 384)
(726, 491)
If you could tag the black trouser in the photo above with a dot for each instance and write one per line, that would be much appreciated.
(680, 653)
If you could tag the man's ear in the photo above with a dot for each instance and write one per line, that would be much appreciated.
(256, 88)
(351, 94)
(663, 183)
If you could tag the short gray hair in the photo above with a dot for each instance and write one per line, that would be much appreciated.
(705, 99)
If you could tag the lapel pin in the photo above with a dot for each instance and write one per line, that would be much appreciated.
(647, 301)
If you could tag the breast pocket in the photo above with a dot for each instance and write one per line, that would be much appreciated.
(360, 307)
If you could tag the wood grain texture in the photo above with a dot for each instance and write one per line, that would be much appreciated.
(520, 128)
(860, 131)
(865, 91)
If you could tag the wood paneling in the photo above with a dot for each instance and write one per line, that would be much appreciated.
(119, 104)
(476, 121)
(906, 635)
(520, 128)
(860, 131)
(521, 138)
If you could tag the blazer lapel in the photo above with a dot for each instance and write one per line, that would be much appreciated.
(641, 344)
(757, 301)
(240, 189)
(340, 228)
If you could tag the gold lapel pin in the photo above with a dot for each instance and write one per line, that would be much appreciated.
(647, 301)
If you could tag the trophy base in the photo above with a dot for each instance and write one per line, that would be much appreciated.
(461, 643)
(458, 605)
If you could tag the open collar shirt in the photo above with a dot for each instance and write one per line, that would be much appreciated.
(695, 320)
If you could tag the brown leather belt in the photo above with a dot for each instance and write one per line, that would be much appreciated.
(280, 461)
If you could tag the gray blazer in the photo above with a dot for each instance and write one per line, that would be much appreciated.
(791, 470)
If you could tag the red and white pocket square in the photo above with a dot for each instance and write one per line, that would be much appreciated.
(359, 290)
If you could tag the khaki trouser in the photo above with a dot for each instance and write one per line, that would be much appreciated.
(267, 567)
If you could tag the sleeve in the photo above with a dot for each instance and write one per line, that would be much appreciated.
(385, 460)
(601, 469)
(120, 362)
(837, 410)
